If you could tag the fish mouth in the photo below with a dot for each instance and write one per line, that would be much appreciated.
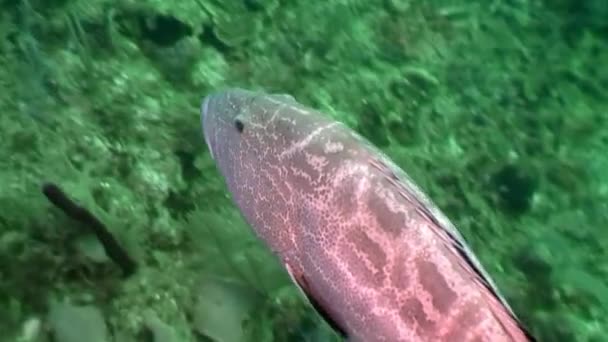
(204, 123)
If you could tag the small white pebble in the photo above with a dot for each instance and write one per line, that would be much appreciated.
(31, 329)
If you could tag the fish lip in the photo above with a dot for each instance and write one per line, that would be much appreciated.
(204, 123)
(204, 109)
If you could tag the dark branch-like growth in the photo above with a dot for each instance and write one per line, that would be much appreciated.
(111, 246)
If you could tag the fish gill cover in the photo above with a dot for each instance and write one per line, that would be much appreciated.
(497, 109)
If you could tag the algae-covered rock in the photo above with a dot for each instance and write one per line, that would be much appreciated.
(74, 323)
(158, 330)
(221, 308)
(235, 31)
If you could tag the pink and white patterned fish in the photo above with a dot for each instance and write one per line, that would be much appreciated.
(370, 251)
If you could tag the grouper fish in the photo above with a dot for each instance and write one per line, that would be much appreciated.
(376, 258)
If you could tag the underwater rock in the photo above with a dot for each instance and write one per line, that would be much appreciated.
(558, 327)
(89, 247)
(371, 123)
(165, 30)
(157, 330)
(159, 29)
(74, 323)
(235, 31)
(261, 5)
(221, 308)
(515, 188)
(397, 7)
(31, 330)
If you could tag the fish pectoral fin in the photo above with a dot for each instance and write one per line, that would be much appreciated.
(301, 282)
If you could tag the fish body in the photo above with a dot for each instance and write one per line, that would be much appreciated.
(371, 252)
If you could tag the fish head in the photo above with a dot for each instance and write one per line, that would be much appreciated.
(257, 140)
(223, 115)
(228, 117)
(243, 129)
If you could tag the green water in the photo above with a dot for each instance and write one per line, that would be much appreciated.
(498, 109)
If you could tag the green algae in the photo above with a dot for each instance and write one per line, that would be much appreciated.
(498, 109)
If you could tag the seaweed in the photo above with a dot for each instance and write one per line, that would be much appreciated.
(497, 109)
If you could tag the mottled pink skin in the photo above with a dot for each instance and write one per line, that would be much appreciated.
(350, 226)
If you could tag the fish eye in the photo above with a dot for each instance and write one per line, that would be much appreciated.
(239, 125)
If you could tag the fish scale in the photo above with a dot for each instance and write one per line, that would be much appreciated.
(372, 253)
